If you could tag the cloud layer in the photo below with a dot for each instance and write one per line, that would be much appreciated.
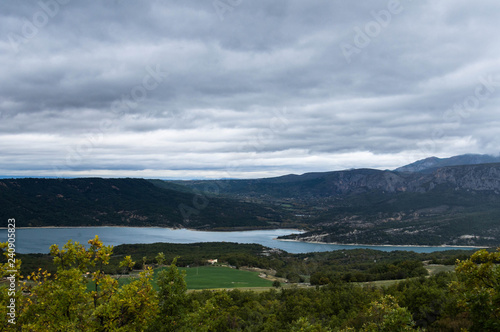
(238, 88)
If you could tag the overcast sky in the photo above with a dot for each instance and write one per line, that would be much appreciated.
(244, 89)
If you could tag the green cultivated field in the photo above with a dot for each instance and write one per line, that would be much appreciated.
(435, 268)
(209, 277)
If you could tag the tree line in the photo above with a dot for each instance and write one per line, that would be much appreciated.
(356, 265)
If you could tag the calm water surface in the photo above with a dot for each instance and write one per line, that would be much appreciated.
(38, 240)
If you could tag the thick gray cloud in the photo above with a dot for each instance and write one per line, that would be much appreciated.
(238, 88)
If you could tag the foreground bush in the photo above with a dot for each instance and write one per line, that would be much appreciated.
(64, 301)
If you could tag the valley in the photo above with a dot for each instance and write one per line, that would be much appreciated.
(452, 205)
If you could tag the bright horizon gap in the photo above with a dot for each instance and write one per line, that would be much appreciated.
(210, 173)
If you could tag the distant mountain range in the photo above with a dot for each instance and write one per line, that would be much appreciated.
(422, 203)
(324, 185)
(454, 205)
(434, 162)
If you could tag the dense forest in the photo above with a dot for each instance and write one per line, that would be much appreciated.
(62, 300)
(355, 265)
(456, 205)
(124, 202)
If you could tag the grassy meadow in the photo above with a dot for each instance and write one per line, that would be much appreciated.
(209, 277)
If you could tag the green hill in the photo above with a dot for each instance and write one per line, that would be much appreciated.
(124, 202)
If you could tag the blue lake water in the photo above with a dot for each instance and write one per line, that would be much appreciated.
(38, 240)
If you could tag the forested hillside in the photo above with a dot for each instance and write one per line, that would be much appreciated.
(124, 202)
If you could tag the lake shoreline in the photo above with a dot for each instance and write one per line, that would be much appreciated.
(38, 239)
(240, 229)
(262, 229)
(386, 245)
